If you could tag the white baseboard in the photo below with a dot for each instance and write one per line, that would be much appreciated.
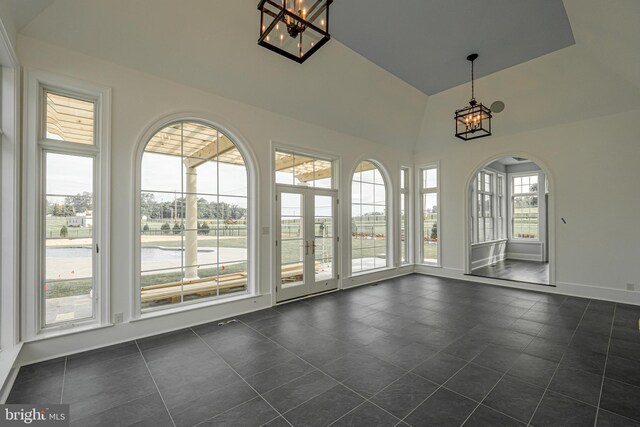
(561, 288)
(596, 292)
(524, 257)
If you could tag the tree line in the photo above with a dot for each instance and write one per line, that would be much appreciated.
(72, 205)
(158, 210)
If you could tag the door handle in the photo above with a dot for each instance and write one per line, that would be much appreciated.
(306, 246)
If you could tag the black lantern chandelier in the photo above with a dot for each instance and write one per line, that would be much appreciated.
(473, 121)
(293, 28)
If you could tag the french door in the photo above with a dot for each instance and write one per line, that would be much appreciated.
(306, 241)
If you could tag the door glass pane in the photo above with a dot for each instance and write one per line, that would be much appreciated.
(68, 278)
(323, 238)
(293, 246)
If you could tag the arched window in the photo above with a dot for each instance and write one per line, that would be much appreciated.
(193, 216)
(369, 219)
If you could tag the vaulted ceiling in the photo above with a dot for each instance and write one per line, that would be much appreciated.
(386, 63)
(425, 42)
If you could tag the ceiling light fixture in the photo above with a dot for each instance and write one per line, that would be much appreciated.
(304, 30)
(473, 121)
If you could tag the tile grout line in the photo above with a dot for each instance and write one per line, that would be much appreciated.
(489, 392)
(410, 371)
(508, 370)
(432, 393)
(64, 375)
(559, 362)
(231, 409)
(241, 377)
(339, 382)
(606, 361)
(324, 373)
(347, 413)
(503, 375)
(155, 384)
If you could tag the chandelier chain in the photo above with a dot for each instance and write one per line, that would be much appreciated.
(472, 84)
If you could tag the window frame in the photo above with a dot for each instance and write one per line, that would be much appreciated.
(35, 150)
(512, 195)
(497, 195)
(405, 171)
(422, 190)
(501, 191)
(388, 219)
(253, 224)
(481, 195)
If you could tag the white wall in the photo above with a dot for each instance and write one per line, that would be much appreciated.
(138, 101)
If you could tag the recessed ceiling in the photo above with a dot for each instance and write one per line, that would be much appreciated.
(513, 161)
(425, 42)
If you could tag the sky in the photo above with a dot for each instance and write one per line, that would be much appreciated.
(162, 175)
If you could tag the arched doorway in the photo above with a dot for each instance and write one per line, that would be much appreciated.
(509, 226)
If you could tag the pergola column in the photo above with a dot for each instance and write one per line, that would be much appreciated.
(191, 225)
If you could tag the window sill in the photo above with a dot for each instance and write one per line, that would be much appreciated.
(430, 264)
(488, 243)
(160, 312)
(8, 358)
(529, 241)
(375, 270)
(55, 333)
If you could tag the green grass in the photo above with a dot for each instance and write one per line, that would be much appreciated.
(68, 288)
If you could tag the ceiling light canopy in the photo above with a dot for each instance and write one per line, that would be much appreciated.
(473, 121)
(294, 28)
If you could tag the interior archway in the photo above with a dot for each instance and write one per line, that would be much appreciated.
(508, 221)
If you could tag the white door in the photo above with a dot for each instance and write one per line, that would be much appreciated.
(305, 242)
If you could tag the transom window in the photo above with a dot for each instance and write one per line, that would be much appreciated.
(369, 221)
(524, 206)
(303, 170)
(193, 216)
(69, 119)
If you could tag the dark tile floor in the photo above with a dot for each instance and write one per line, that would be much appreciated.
(416, 351)
(516, 270)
